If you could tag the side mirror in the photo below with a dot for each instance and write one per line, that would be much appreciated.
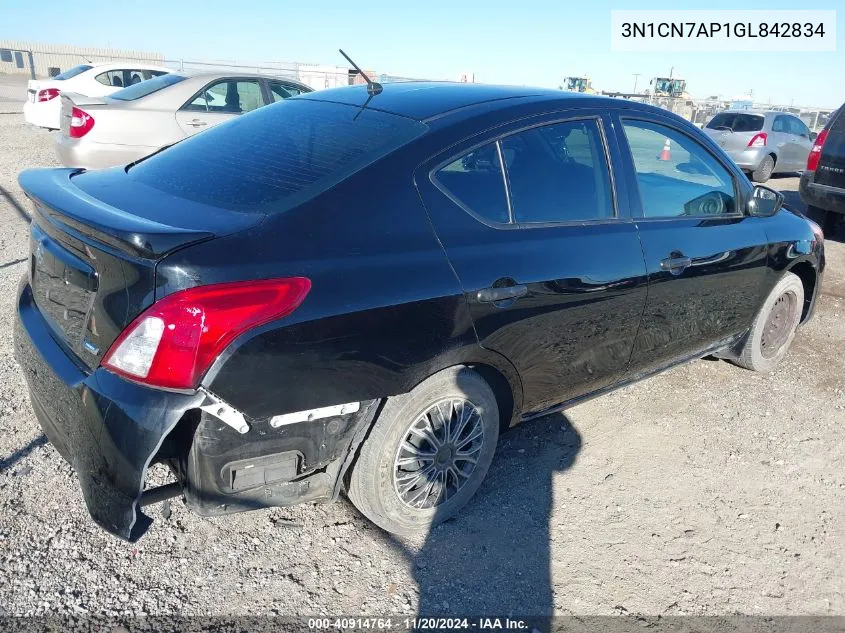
(813, 136)
(764, 202)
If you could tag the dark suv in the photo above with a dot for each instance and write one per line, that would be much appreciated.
(353, 290)
(823, 182)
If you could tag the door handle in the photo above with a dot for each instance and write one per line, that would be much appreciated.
(676, 264)
(196, 123)
(494, 295)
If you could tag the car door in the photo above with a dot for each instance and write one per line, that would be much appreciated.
(706, 260)
(545, 250)
(801, 143)
(784, 143)
(219, 101)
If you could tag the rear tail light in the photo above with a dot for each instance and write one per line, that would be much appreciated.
(80, 123)
(816, 151)
(174, 342)
(758, 140)
(47, 94)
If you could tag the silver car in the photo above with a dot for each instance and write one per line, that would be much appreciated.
(762, 143)
(141, 119)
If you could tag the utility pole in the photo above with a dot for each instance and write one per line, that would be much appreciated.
(636, 77)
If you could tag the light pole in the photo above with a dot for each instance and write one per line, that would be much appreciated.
(636, 77)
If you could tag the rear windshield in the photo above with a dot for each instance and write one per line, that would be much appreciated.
(737, 122)
(277, 156)
(147, 87)
(73, 72)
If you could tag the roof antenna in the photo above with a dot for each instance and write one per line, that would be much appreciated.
(373, 87)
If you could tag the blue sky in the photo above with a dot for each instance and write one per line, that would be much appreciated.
(533, 42)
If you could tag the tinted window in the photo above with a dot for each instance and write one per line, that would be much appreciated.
(113, 78)
(147, 87)
(737, 121)
(687, 182)
(275, 158)
(73, 72)
(796, 126)
(228, 96)
(477, 182)
(281, 91)
(558, 173)
(781, 124)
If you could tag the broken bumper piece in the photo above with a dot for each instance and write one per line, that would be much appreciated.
(107, 428)
(110, 430)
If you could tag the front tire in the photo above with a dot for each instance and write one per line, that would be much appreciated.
(774, 328)
(427, 453)
(764, 171)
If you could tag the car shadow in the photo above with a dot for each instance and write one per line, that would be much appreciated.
(8, 462)
(17, 206)
(494, 557)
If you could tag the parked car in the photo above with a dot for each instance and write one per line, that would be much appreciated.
(762, 143)
(822, 185)
(43, 106)
(138, 121)
(327, 294)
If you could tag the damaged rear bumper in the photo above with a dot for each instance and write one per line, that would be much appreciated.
(110, 430)
(107, 428)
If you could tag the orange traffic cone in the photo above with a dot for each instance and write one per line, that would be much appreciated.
(665, 154)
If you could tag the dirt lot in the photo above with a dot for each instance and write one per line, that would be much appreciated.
(706, 490)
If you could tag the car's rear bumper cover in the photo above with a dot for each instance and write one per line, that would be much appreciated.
(107, 428)
(821, 196)
(748, 159)
(89, 154)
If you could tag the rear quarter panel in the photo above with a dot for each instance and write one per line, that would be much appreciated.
(384, 312)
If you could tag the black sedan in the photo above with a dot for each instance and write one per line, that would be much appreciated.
(359, 291)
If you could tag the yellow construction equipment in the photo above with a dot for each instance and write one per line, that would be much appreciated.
(578, 84)
(669, 87)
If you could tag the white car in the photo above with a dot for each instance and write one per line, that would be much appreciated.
(98, 132)
(43, 105)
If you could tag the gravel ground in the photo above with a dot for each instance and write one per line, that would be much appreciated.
(705, 490)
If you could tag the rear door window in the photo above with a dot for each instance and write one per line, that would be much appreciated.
(476, 182)
(117, 78)
(558, 173)
(280, 90)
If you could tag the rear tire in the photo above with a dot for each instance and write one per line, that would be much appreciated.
(774, 328)
(764, 171)
(410, 475)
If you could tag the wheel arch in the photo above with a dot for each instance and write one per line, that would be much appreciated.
(808, 275)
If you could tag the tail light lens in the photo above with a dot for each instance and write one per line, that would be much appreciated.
(174, 342)
(758, 140)
(80, 123)
(816, 151)
(47, 94)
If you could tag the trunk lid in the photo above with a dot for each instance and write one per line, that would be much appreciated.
(831, 168)
(95, 240)
(731, 141)
(34, 85)
(71, 99)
